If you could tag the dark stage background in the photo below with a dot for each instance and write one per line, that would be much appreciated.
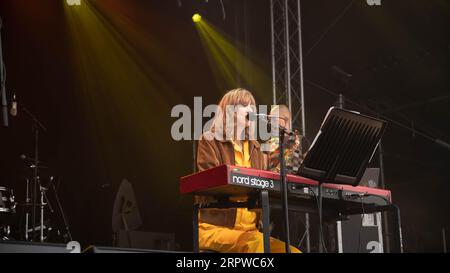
(103, 83)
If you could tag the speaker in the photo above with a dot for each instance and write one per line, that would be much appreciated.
(29, 247)
(145, 240)
(103, 249)
(365, 230)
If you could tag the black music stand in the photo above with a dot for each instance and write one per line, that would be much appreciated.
(341, 151)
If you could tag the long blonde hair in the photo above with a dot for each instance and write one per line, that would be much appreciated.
(233, 97)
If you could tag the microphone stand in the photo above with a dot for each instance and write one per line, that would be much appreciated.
(2, 83)
(284, 189)
(36, 126)
(66, 224)
(44, 202)
(282, 131)
(27, 208)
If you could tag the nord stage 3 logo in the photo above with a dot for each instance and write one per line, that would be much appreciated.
(254, 182)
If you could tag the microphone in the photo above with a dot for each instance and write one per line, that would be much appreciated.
(26, 158)
(341, 72)
(14, 106)
(253, 116)
(267, 119)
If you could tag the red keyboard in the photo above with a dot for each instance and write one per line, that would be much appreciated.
(229, 180)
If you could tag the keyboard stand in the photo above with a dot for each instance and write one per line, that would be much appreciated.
(265, 205)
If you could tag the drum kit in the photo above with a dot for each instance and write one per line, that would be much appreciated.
(34, 218)
(30, 220)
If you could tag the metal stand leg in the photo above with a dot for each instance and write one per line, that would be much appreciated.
(398, 224)
(195, 228)
(26, 225)
(308, 242)
(42, 216)
(27, 209)
(266, 220)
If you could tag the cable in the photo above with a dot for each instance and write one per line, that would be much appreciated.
(223, 9)
(306, 227)
(417, 103)
(318, 207)
(361, 196)
(339, 17)
(433, 139)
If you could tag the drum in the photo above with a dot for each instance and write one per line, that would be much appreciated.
(7, 200)
(7, 209)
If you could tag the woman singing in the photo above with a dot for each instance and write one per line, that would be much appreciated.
(230, 140)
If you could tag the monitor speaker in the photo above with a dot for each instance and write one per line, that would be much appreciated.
(362, 233)
(102, 249)
(30, 247)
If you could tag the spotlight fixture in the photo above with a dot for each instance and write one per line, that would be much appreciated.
(196, 18)
(73, 2)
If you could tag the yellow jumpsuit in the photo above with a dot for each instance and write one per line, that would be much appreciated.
(244, 237)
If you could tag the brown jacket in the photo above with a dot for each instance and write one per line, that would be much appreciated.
(212, 153)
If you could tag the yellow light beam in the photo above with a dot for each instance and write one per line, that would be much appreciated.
(230, 62)
(119, 100)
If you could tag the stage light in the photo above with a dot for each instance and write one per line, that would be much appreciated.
(73, 2)
(196, 18)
